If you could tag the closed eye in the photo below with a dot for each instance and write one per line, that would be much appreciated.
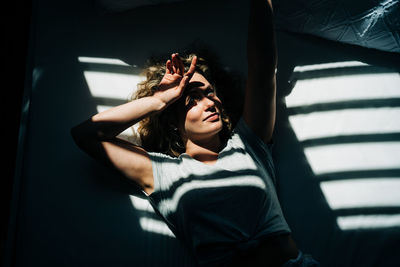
(192, 99)
(210, 92)
(197, 94)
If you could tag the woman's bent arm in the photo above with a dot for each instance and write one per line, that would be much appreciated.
(259, 106)
(97, 137)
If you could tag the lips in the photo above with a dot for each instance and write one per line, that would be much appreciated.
(212, 116)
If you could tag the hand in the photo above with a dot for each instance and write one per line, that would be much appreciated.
(175, 79)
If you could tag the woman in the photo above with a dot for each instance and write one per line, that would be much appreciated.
(212, 185)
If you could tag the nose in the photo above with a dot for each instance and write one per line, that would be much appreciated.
(208, 103)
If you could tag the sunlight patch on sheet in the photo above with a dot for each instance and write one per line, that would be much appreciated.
(155, 226)
(337, 103)
(360, 193)
(111, 85)
(344, 88)
(355, 156)
(101, 108)
(368, 221)
(99, 60)
(141, 204)
(346, 122)
(332, 65)
(114, 80)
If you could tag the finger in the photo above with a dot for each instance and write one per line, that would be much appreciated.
(174, 63)
(173, 66)
(168, 67)
(192, 67)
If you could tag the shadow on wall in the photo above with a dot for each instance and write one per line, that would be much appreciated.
(73, 211)
(337, 149)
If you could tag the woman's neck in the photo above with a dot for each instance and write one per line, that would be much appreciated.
(206, 151)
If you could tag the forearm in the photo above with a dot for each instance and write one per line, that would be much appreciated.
(260, 97)
(111, 122)
(261, 47)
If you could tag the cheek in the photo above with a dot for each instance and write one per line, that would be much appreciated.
(193, 115)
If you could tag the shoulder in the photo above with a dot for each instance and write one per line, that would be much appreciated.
(166, 169)
(245, 134)
(161, 157)
(254, 145)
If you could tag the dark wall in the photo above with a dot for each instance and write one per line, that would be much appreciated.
(15, 22)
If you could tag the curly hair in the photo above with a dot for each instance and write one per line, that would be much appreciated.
(158, 132)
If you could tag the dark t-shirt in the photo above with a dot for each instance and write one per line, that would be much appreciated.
(216, 209)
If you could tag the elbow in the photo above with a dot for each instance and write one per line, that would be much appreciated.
(88, 133)
(77, 136)
(81, 134)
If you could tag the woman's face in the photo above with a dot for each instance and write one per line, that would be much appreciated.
(200, 110)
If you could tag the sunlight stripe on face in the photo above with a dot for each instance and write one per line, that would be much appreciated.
(360, 193)
(356, 156)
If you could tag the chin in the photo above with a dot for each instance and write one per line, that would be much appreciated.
(217, 127)
(208, 131)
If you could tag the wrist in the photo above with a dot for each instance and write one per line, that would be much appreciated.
(158, 103)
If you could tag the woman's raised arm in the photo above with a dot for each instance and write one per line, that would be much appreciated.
(260, 99)
(97, 135)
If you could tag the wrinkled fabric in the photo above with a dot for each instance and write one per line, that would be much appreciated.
(369, 23)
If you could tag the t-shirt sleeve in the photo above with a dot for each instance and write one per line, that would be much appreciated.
(260, 151)
(251, 138)
(165, 173)
(164, 166)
